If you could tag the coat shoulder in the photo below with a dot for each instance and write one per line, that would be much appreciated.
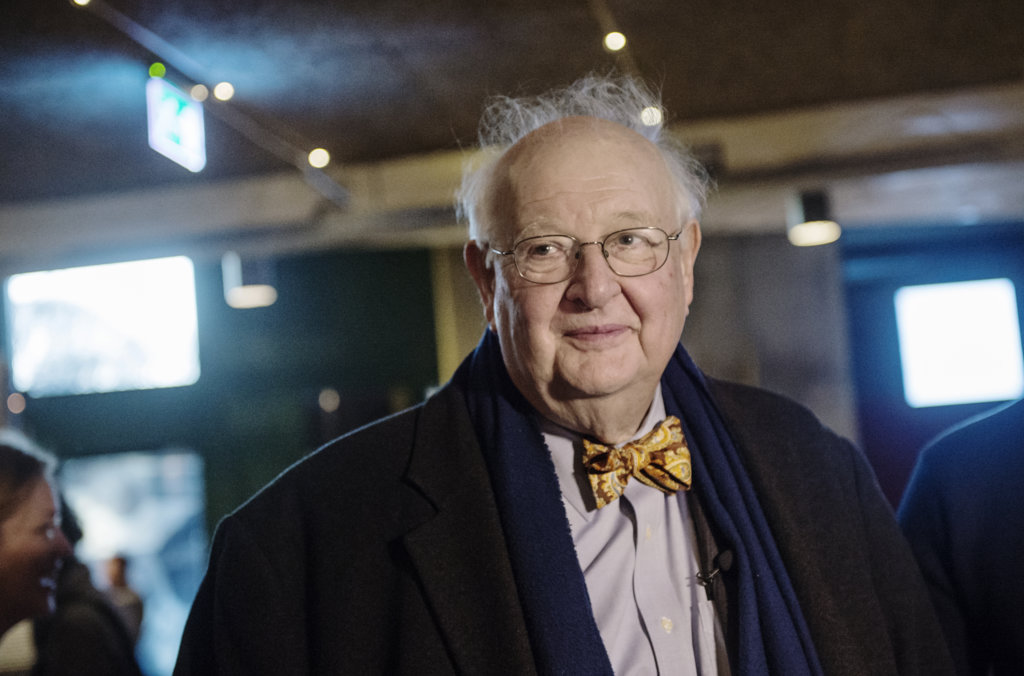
(364, 470)
(763, 408)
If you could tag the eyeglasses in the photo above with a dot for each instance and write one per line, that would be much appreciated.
(549, 259)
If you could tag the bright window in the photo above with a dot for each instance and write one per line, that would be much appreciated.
(103, 328)
(959, 342)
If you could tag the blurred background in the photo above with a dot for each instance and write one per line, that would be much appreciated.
(181, 133)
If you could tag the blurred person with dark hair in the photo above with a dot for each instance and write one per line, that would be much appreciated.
(76, 631)
(964, 517)
(125, 599)
(32, 545)
(86, 635)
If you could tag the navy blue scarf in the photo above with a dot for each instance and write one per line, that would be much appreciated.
(773, 637)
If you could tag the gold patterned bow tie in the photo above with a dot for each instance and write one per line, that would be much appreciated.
(660, 459)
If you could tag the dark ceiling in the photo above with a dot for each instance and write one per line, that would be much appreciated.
(372, 79)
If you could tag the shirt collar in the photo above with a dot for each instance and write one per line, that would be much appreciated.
(566, 447)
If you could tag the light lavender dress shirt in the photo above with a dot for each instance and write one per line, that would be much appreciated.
(638, 556)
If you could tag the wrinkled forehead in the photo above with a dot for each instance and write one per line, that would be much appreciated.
(581, 153)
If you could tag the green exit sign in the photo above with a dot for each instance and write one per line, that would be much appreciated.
(175, 124)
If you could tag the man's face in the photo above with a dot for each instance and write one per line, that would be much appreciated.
(596, 334)
(32, 548)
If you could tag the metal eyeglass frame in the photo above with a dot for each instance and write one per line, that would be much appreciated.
(578, 248)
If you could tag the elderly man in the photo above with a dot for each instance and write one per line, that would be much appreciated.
(579, 499)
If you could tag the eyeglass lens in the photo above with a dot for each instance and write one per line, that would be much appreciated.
(553, 258)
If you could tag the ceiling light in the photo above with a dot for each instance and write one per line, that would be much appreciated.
(199, 92)
(223, 91)
(651, 116)
(814, 233)
(157, 70)
(809, 220)
(248, 283)
(614, 41)
(80, 3)
(319, 158)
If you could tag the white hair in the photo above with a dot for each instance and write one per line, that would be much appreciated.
(619, 99)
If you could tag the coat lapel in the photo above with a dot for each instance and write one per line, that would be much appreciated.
(459, 552)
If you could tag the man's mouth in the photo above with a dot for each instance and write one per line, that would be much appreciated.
(596, 332)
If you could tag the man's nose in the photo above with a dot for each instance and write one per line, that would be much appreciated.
(598, 258)
(593, 281)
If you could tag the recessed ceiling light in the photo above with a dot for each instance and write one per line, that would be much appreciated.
(223, 91)
(319, 158)
(614, 41)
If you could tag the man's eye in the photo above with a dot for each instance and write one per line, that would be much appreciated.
(543, 250)
(632, 240)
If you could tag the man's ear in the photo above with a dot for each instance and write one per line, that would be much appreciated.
(691, 238)
(689, 245)
(475, 257)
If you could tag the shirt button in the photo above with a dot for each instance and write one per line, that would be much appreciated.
(648, 532)
(666, 624)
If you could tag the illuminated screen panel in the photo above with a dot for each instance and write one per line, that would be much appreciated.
(103, 328)
(960, 342)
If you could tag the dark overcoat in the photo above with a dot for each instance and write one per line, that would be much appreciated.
(383, 553)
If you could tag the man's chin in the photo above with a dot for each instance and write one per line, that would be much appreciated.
(597, 386)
